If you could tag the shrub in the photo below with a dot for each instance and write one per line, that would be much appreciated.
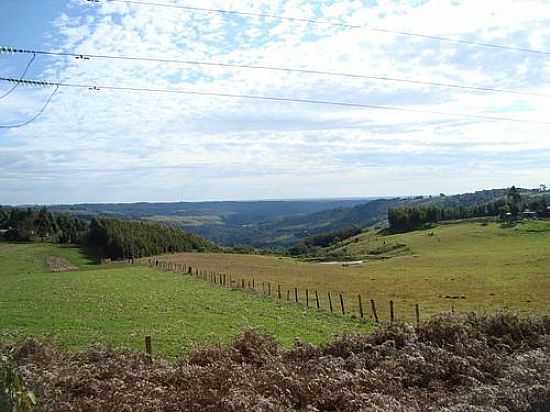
(450, 363)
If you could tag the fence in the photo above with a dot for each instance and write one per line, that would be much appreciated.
(336, 303)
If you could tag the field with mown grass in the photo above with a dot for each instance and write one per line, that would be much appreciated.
(469, 266)
(119, 304)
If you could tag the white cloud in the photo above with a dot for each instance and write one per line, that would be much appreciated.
(180, 144)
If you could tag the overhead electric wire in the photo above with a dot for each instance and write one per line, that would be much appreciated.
(16, 85)
(87, 56)
(277, 99)
(330, 23)
(32, 119)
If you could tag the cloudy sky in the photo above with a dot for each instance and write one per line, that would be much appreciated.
(113, 146)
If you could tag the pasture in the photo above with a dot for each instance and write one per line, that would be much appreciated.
(468, 266)
(119, 304)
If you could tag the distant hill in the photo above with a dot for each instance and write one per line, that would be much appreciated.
(275, 224)
(294, 229)
(248, 224)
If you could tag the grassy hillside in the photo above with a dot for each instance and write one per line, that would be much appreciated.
(120, 304)
(376, 211)
(471, 266)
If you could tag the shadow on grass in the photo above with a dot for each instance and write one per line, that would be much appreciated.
(87, 252)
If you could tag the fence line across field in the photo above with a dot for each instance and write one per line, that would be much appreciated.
(274, 290)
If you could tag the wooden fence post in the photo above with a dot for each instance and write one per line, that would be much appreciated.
(296, 294)
(148, 350)
(330, 302)
(360, 307)
(253, 284)
(269, 289)
(392, 312)
(417, 310)
(317, 299)
(288, 295)
(374, 313)
(279, 292)
(307, 298)
(342, 304)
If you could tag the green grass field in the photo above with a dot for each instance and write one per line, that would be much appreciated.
(119, 305)
(492, 267)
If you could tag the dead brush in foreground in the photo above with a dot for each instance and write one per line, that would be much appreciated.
(451, 363)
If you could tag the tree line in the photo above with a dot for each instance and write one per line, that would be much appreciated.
(404, 219)
(39, 224)
(105, 237)
(121, 239)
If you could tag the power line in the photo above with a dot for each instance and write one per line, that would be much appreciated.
(10, 91)
(88, 56)
(32, 119)
(275, 99)
(330, 23)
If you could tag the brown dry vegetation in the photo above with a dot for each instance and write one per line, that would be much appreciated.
(467, 363)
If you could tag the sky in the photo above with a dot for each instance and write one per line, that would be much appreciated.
(118, 146)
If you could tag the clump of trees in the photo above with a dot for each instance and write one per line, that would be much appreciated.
(121, 239)
(412, 218)
(39, 224)
(312, 243)
(405, 219)
(106, 237)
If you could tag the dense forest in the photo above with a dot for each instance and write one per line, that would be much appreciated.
(39, 224)
(107, 238)
(121, 239)
(509, 206)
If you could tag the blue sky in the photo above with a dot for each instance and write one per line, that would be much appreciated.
(112, 146)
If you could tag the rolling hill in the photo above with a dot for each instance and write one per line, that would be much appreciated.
(276, 225)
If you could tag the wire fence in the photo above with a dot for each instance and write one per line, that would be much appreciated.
(337, 303)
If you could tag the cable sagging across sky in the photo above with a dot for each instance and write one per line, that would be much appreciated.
(40, 112)
(16, 85)
(272, 98)
(87, 56)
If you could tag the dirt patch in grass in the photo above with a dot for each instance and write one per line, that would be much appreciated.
(59, 264)
(6, 246)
